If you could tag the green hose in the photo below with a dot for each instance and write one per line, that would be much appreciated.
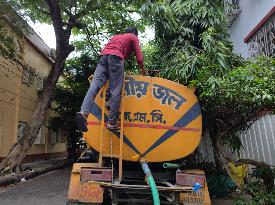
(171, 165)
(151, 182)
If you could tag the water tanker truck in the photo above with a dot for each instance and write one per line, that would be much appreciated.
(161, 123)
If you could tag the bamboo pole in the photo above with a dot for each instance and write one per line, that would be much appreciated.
(121, 132)
(102, 126)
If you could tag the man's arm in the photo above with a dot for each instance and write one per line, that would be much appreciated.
(142, 70)
(139, 55)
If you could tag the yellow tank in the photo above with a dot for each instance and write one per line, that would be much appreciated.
(162, 121)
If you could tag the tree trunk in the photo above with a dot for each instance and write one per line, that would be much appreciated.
(218, 158)
(213, 131)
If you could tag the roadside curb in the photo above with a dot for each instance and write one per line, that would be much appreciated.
(12, 179)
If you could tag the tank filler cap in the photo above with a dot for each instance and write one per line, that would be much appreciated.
(196, 187)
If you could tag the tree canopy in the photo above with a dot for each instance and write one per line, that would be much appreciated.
(190, 35)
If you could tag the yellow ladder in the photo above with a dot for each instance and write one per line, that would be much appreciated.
(102, 124)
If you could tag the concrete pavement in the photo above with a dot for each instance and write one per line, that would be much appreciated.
(47, 189)
(36, 168)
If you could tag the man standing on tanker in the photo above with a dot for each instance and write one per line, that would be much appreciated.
(111, 66)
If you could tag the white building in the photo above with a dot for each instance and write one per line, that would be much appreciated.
(252, 31)
(252, 27)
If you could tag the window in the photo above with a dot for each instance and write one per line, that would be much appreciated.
(261, 40)
(21, 129)
(56, 137)
(40, 138)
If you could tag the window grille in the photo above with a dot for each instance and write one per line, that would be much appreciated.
(262, 42)
(39, 82)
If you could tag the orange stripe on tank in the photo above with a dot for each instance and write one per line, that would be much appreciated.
(152, 126)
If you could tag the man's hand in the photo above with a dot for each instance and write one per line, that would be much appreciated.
(142, 70)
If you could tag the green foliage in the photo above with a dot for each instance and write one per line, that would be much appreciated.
(97, 20)
(10, 44)
(220, 185)
(107, 19)
(11, 34)
(151, 60)
(256, 189)
(252, 83)
(235, 100)
(190, 35)
(232, 102)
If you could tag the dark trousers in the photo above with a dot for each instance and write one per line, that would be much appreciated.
(109, 67)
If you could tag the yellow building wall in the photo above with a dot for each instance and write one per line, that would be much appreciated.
(10, 77)
(36, 60)
(18, 101)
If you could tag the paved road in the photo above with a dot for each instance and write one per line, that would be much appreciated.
(47, 189)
